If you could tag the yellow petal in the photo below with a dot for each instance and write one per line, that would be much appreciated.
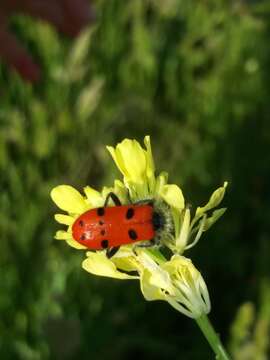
(121, 191)
(94, 197)
(161, 180)
(69, 199)
(71, 242)
(173, 196)
(182, 240)
(159, 277)
(150, 291)
(98, 264)
(150, 168)
(62, 235)
(149, 156)
(135, 160)
(130, 158)
(137, 166)
(126, 263)
(125, 251)
(64, 219)
(105, 192)
(117, 159)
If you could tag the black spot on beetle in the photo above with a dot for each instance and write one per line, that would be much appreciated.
(130, 213)
(158, 220)
(102, 232)
(101, 222)
(132, 234)
(104, 244)
(83, 237)
(81, 223)
(100, 211)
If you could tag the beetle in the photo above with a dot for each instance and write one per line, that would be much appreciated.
(109, 227)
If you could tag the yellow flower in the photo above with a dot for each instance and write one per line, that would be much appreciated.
(138, 168)
(131, 160)
(176, 281)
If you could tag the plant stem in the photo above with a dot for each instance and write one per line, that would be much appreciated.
(212, 338)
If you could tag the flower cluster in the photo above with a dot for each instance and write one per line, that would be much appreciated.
(175, 280)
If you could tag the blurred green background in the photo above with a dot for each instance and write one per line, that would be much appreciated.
(195, 75)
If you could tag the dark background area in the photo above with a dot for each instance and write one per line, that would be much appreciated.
(196, 77)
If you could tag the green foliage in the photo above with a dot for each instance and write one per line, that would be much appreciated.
(250, 332)
(195, 76)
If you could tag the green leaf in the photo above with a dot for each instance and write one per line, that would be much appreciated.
(89, 99)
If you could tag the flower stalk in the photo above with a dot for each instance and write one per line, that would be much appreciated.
(212, 337)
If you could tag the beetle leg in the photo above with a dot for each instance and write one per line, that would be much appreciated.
(114, 198)
(112, 251)
(144, 202)
(148, 244)
(151, 243)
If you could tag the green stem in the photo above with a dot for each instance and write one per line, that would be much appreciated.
(212, 338)
(156, 255)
